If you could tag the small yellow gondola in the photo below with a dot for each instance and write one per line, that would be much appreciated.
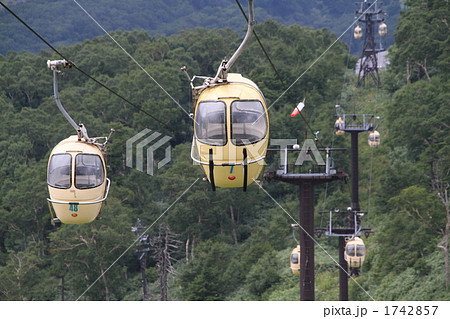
(357, 33)
(374, 139)
(231, 125)
(295, 260)
(382, 29)
(355, 252)
(231, 132)
(77, 183)
(337, 126)
(76, 171)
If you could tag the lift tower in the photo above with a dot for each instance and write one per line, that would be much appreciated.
(348, 223)
(142, 249)
(370, 15)
(319, 173)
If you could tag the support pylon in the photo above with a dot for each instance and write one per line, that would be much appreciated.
(370, 14)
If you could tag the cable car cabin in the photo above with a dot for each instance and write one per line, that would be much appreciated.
(357, 33)
(231, 129)
(337, 127)
(355, 252)
(295, 260)
(374, 139)
(382, 29)
(77, 183)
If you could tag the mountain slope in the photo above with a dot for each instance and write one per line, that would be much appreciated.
(63, 22)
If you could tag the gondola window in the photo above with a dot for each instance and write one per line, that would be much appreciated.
(249, 123)
(351, 250)
(359, 250)
(210, 122)
(89, 172)
(59, 171)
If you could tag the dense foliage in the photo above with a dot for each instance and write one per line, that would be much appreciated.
(63, 22)
(232, 245)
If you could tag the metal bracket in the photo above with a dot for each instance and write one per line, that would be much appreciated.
(211, 170)
(245, 164)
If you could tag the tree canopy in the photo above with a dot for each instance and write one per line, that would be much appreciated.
(64, 23)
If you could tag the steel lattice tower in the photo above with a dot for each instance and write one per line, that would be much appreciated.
(370, 15)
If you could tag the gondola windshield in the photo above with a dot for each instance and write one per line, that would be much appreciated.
(374, 137)
(59, 171)
(248, 122)
(210, 127)
(351, 250)
(360, 250)
(294, 259)
(89, 171)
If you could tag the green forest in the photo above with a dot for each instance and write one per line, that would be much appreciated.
(63, 22)
(228, 244)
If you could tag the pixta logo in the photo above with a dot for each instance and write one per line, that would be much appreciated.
(308, 153)
(151, 144)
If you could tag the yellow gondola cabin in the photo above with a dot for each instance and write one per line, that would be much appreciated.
(231, 125)
(338, 126)
(231, 132)
(382, 29)
(357, 33)
(374, 139)
(295, 260)
(77, 182)
(355, 252)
